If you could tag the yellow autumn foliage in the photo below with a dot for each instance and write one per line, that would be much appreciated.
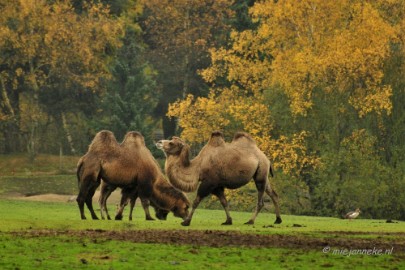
(336, 45)
(198, 117)
(52, 40)
(298, 46)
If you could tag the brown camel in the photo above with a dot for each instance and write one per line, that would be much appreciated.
(130, 194)
(219, 165)
(129, 165)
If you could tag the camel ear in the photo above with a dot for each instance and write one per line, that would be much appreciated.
(179, 140)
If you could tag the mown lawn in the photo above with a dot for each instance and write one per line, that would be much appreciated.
(74, 253)
(24, 246)
(26, 251)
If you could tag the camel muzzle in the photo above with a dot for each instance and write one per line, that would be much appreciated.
(159, 145)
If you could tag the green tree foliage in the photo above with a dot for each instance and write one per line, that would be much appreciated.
(179, 34)
(242, 20)
(130, 98)
(54, 57)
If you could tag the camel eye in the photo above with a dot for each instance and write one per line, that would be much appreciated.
(170, 143)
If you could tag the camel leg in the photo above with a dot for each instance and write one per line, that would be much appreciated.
(84, 192)
(123, 203)
(132, 205)
(203, 191)
(81, 198)
(145, 205)
(196, 202)
(274, 197)
(80, 201)
(104, 195)
(101, 200)
(221, 196)
(105, 206)
(89, 202)
(260, 190)
(131, 195)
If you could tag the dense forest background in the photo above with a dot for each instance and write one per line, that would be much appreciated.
(319, 84)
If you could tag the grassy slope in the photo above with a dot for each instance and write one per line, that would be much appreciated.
(19, 164)
(47, 174)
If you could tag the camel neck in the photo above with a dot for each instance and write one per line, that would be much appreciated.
(182, 177)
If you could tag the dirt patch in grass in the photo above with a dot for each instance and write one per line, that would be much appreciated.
(224, 238)
(115, 197)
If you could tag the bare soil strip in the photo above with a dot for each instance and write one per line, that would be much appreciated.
(229, 239)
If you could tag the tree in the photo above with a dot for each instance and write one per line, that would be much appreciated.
(130, 97)
(308, 77)
(56, 57)
(179, 34)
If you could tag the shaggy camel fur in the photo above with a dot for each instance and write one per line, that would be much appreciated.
(219, 165)
(130, 194)
(129, 165)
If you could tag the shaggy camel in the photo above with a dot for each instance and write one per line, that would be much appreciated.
(129, 165)
(219, 165)
(130, 194)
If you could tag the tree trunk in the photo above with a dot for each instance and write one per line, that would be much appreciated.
(169, 127)
(32, 141)
(67, 132)
(6, 101)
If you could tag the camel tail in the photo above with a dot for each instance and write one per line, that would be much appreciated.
(271, 170)
(79, 168)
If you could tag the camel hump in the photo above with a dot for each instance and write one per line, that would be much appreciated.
(103, 140)
(217, 133)
(133, 138)
(243, 135)
(217, 139)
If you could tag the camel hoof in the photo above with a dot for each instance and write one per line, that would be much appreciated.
(95, 218)
(118, 217)
(250, 222)
(150, 218)
(278, 220)
(186, 223)
(227, 222)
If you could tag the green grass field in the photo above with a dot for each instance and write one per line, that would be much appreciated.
(30, 250)
(50, 235)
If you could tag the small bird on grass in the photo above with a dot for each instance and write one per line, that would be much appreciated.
(352, 214)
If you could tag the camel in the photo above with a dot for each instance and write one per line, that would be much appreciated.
(128, 165)
(219, 165)
(130, 194)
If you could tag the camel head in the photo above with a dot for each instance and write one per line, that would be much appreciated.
(181, 209)
(171, 147)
